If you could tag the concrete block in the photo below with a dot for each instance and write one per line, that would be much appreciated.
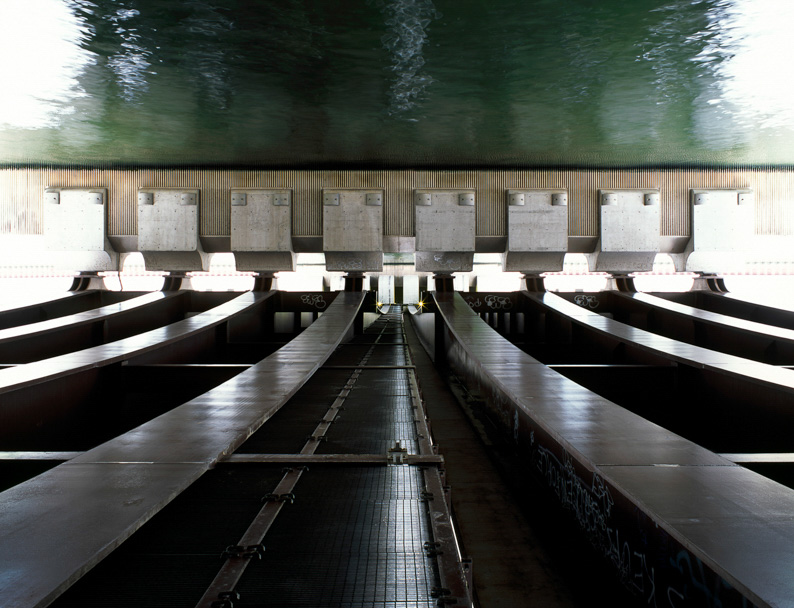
(537, 230)
(536, 224)
(624, 261)
(75, 229)
(630, 230)
(528, 261)
(261, 227)
(445, 220)
(353, 261)
(168, 230)
(444, 261)
(352, 220)
(723, 228)
(264, 261)
(629, 222)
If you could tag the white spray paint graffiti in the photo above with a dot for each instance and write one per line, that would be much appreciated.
(594, 509)
(592, 506)
(473, 303)
(499, 302)
(586, 301)
(515, 426)
(314, 300)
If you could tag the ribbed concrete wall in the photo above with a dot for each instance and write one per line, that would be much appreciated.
(21, 195)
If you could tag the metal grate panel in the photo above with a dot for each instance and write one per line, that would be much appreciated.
(286, 432)
(371, 425)
(364, 547)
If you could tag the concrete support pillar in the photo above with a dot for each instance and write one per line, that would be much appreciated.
(354, 281)
(534, 282)
(709, 282)
(175, 281)
(444, 282)
(87, 280)
(621, 282)
(263, 281)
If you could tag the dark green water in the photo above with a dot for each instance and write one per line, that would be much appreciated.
(397, 82)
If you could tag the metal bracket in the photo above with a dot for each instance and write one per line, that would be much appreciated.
(226, 599)
(243, 552)
(239, 199)
(396, 454)
(432, 549)
(559, 199)
(52, 197)
(146, 198)
(516, 199)
(746, 198)
(188, 199)
(700, 198)
(439, 592)
(374, 199)
(423, 199)
(466, 199)
(651, 198)
(331, 199)
(281, 200)
(609, 199)
(288, 497)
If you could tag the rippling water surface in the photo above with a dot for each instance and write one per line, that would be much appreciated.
(397, 82)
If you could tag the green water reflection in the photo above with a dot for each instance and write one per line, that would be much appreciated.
(397, 82)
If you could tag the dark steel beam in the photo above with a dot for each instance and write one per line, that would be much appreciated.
(642, 495)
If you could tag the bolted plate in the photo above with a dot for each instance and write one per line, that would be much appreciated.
(746, 198)
(188, 198)
(559, 199)
(700, 198)
(609, 198)
(423, 199)
(651, 198)
(281, 199)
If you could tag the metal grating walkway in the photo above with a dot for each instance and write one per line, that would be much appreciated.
(306, 522)
(354, 537)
